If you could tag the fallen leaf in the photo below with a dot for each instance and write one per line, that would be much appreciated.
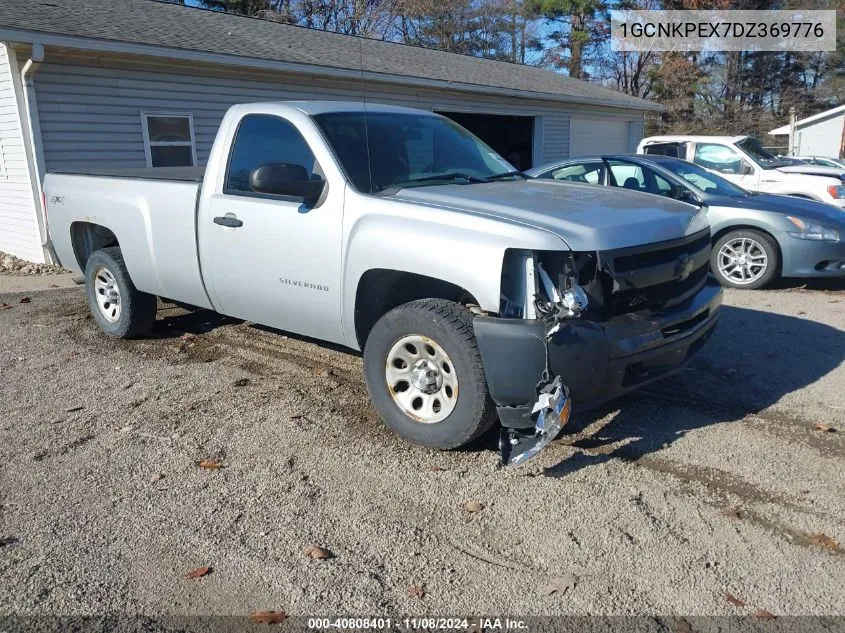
(156, 477)
(734, 600)
(211, 463)
(732, 513)
(561, 585)
(825, 428)
(416, 591)
(824, 540)
(762, 614)
(436, 469)
(473, 506)
(268, 617)
(312, 551)
(5, 306)
(25, 300)
(187, 336)
(199, 572)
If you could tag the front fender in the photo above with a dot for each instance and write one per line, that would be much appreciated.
(463, 250)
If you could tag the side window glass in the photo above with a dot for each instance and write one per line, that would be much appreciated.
(589, 173)
(638, 178)
(628, 176)
(718, 158)
(662, 186)
(264, 139)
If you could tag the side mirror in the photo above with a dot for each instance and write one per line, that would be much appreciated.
(685, 195)
(745, 169)
(286, 179)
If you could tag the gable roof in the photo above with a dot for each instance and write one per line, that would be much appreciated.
(784, 129)
(171, 30)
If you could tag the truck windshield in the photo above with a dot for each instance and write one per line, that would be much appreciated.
(761, 156)
(383, 151)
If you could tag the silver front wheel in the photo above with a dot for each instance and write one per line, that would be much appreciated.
(742, 261)
(107, 293)
(421, 379)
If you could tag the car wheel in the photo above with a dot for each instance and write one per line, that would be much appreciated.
(424, 374)
(118, 307)
(745, 259)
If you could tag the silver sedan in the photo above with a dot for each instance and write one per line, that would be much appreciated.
(756, 237)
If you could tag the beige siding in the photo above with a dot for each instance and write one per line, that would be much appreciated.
(90, 109)
(19, 233)
(821, 138)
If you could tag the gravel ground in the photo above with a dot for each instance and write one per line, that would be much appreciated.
(713, 482)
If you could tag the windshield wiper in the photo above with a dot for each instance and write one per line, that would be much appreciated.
(507, 174)
(451, 176)
(430, 180)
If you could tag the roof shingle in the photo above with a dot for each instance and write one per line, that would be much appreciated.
(160, 24)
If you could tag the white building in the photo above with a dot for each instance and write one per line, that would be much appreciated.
(134, 83)
(822, 134)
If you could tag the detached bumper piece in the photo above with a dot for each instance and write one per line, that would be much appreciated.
(595, 361)
(553, 408)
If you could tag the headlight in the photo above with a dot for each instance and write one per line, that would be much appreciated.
(808, 230)
(837, 191)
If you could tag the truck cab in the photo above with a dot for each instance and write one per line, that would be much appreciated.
(744, 161)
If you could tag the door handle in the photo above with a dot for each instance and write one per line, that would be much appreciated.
(229, 220)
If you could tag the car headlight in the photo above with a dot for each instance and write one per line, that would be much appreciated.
(808, 230)
(837, 191)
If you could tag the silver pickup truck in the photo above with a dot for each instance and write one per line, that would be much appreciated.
(473, 292)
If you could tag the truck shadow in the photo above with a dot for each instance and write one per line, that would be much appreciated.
(753, 359)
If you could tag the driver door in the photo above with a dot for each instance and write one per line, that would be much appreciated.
(272, 259)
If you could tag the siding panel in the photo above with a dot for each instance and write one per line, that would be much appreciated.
(19, 233)
(90, 110)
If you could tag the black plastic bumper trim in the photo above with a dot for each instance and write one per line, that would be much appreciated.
(597, 361)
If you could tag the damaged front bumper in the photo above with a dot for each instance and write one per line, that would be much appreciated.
(596, 361)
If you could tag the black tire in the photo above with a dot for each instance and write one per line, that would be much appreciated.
(137, 310)
(449, 325)
(766, 242)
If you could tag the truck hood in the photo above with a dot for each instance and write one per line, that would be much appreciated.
(812, 170)
(586, 217)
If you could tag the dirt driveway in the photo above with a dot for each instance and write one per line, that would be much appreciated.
(710, 483)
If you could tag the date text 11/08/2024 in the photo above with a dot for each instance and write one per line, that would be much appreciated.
(417, 624)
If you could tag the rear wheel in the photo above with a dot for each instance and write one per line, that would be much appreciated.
(118, 307)
(745, 259)
(424, 374)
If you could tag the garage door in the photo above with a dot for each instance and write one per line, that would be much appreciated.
(589, 136)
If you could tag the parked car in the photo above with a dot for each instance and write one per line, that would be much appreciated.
(823, 161)
(744, 161)
(756, 237)
(471, 289)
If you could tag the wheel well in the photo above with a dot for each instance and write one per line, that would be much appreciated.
(87, 237)
(380, 290)
(748, 227)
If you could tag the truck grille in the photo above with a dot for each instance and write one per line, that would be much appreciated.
(655, 276)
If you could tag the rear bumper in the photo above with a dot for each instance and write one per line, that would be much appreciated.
(807, 258)
(597, 361)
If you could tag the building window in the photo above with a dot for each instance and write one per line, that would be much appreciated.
(169, 139)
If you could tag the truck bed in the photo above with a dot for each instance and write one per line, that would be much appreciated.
(152, 214)
(174, 174)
